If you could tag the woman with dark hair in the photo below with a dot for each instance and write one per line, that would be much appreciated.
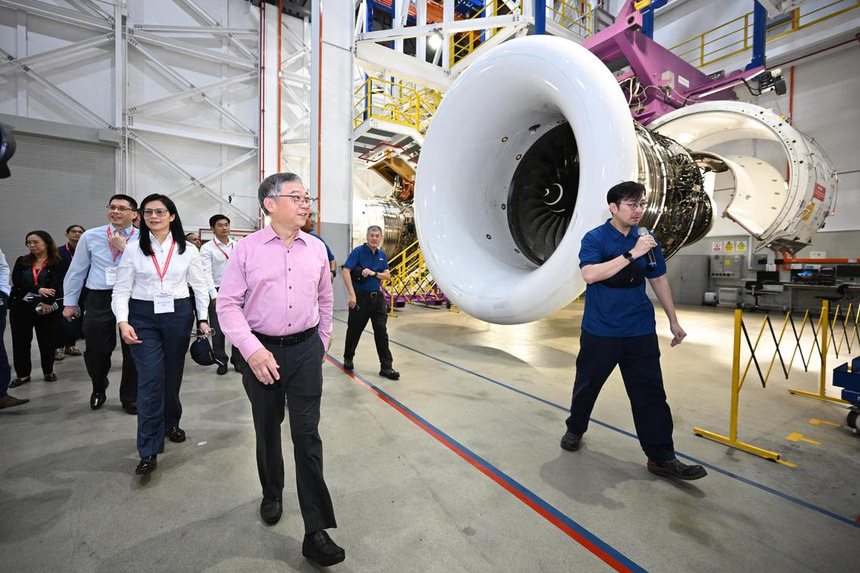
(68, 337)
(37, 283)
(154, 314)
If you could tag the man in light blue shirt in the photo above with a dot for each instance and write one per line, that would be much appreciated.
(94, 267)
(6, 401)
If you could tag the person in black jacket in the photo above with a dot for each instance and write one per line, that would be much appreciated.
(37, 283)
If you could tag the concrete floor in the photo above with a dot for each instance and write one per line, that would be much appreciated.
(455, 467)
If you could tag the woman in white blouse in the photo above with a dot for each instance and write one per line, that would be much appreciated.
(153, 310)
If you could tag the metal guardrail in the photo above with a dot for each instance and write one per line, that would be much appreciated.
(735, 36)
(395, 102)
(821, 339)
(411, 281)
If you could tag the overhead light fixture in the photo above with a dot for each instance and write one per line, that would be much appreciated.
(434, 41)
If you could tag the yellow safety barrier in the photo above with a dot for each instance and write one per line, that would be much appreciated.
(395, 102)
(575, 16)
(411, 281)
(735, 36)
(822, 333)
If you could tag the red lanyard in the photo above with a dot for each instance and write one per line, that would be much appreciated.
(216, 241)
(118, 252)
(68, 250)
(37, 273)
(166, 263)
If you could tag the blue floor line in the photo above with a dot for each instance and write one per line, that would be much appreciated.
(727, 473)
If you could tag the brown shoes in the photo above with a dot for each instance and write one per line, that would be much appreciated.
(8, 401)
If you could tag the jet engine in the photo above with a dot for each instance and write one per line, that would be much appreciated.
(517, 161)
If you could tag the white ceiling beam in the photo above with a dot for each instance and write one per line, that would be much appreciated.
(203, 16)
(191, 92)
(85, 5)
(141, 122)
(191, 50)
(215, 173)
(205, 30)
(170, 73)
(55, 54)
(61, 96)
(376, 58)
(59, 14)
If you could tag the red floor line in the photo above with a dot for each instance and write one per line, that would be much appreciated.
(573, 534)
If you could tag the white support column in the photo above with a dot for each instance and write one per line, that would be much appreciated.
(331, 125)
(119, 99)
(447, 20)
(401, 10)
(272, 131)
(421, 20)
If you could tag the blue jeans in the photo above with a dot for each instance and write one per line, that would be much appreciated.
(160, 361)
(5, 370)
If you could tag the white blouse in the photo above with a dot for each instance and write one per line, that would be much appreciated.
(137, 277)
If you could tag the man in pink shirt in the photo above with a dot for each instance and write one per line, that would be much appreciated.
(275, 306)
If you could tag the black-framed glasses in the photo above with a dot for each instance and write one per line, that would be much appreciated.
(156, 212)
(635, 206)
(299, 199)
(119, 208)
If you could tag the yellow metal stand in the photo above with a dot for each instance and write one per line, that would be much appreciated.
(823, 331)
(732, 438)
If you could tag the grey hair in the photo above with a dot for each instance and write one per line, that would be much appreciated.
(271, 186)
(374, 228)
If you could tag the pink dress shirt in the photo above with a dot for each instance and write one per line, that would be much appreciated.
(275, 290)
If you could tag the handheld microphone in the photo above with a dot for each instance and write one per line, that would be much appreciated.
(652, 260)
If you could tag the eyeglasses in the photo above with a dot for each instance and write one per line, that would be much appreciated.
(119, 208)
(156, 212)
(298, 199)
(78, 231)
(635, 206)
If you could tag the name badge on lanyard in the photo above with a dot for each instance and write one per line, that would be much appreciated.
(110, 275)
(163, 301)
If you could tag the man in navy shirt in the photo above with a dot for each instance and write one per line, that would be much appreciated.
(309, 227)
(618, 329)
(363, 270)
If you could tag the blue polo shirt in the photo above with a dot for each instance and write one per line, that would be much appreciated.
(330, 254)
(611, 311)
(362, 256)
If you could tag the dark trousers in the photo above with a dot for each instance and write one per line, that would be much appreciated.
(160, 361)
(100, 332)
(300, 385)
(368, 305)
(5, 370)
(219, 343)
(639, 359)
(22, 321)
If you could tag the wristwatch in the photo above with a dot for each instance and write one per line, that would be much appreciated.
(629, 256)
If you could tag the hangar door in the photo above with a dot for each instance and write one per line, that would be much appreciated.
(55, 183)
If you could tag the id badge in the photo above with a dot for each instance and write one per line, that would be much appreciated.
(110, 275)
(163, 303)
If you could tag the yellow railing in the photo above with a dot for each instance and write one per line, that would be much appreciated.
(575, 16)
(736, 36)
(464, 43)
(394, 102)
(410, 278)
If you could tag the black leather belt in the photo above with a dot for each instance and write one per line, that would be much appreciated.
(288, 340)
(367, 294)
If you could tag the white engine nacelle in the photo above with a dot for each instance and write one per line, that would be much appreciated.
(515, 168)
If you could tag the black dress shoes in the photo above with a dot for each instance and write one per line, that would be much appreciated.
(52, 377)
(571, 442)
(19, 381)
(319, 548)
(175, 434)
(348, 365)
(271, 509)
(131, 408)
(146, 465)
(222, 369)
(390, 373)
(97, 400)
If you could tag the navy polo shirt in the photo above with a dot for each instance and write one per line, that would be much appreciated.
(365, 258)
(617, 311)
(330, 254)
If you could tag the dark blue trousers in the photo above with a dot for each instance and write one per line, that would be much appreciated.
(5, 370)
(639, 359)
(160, 361)
(300, 386)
